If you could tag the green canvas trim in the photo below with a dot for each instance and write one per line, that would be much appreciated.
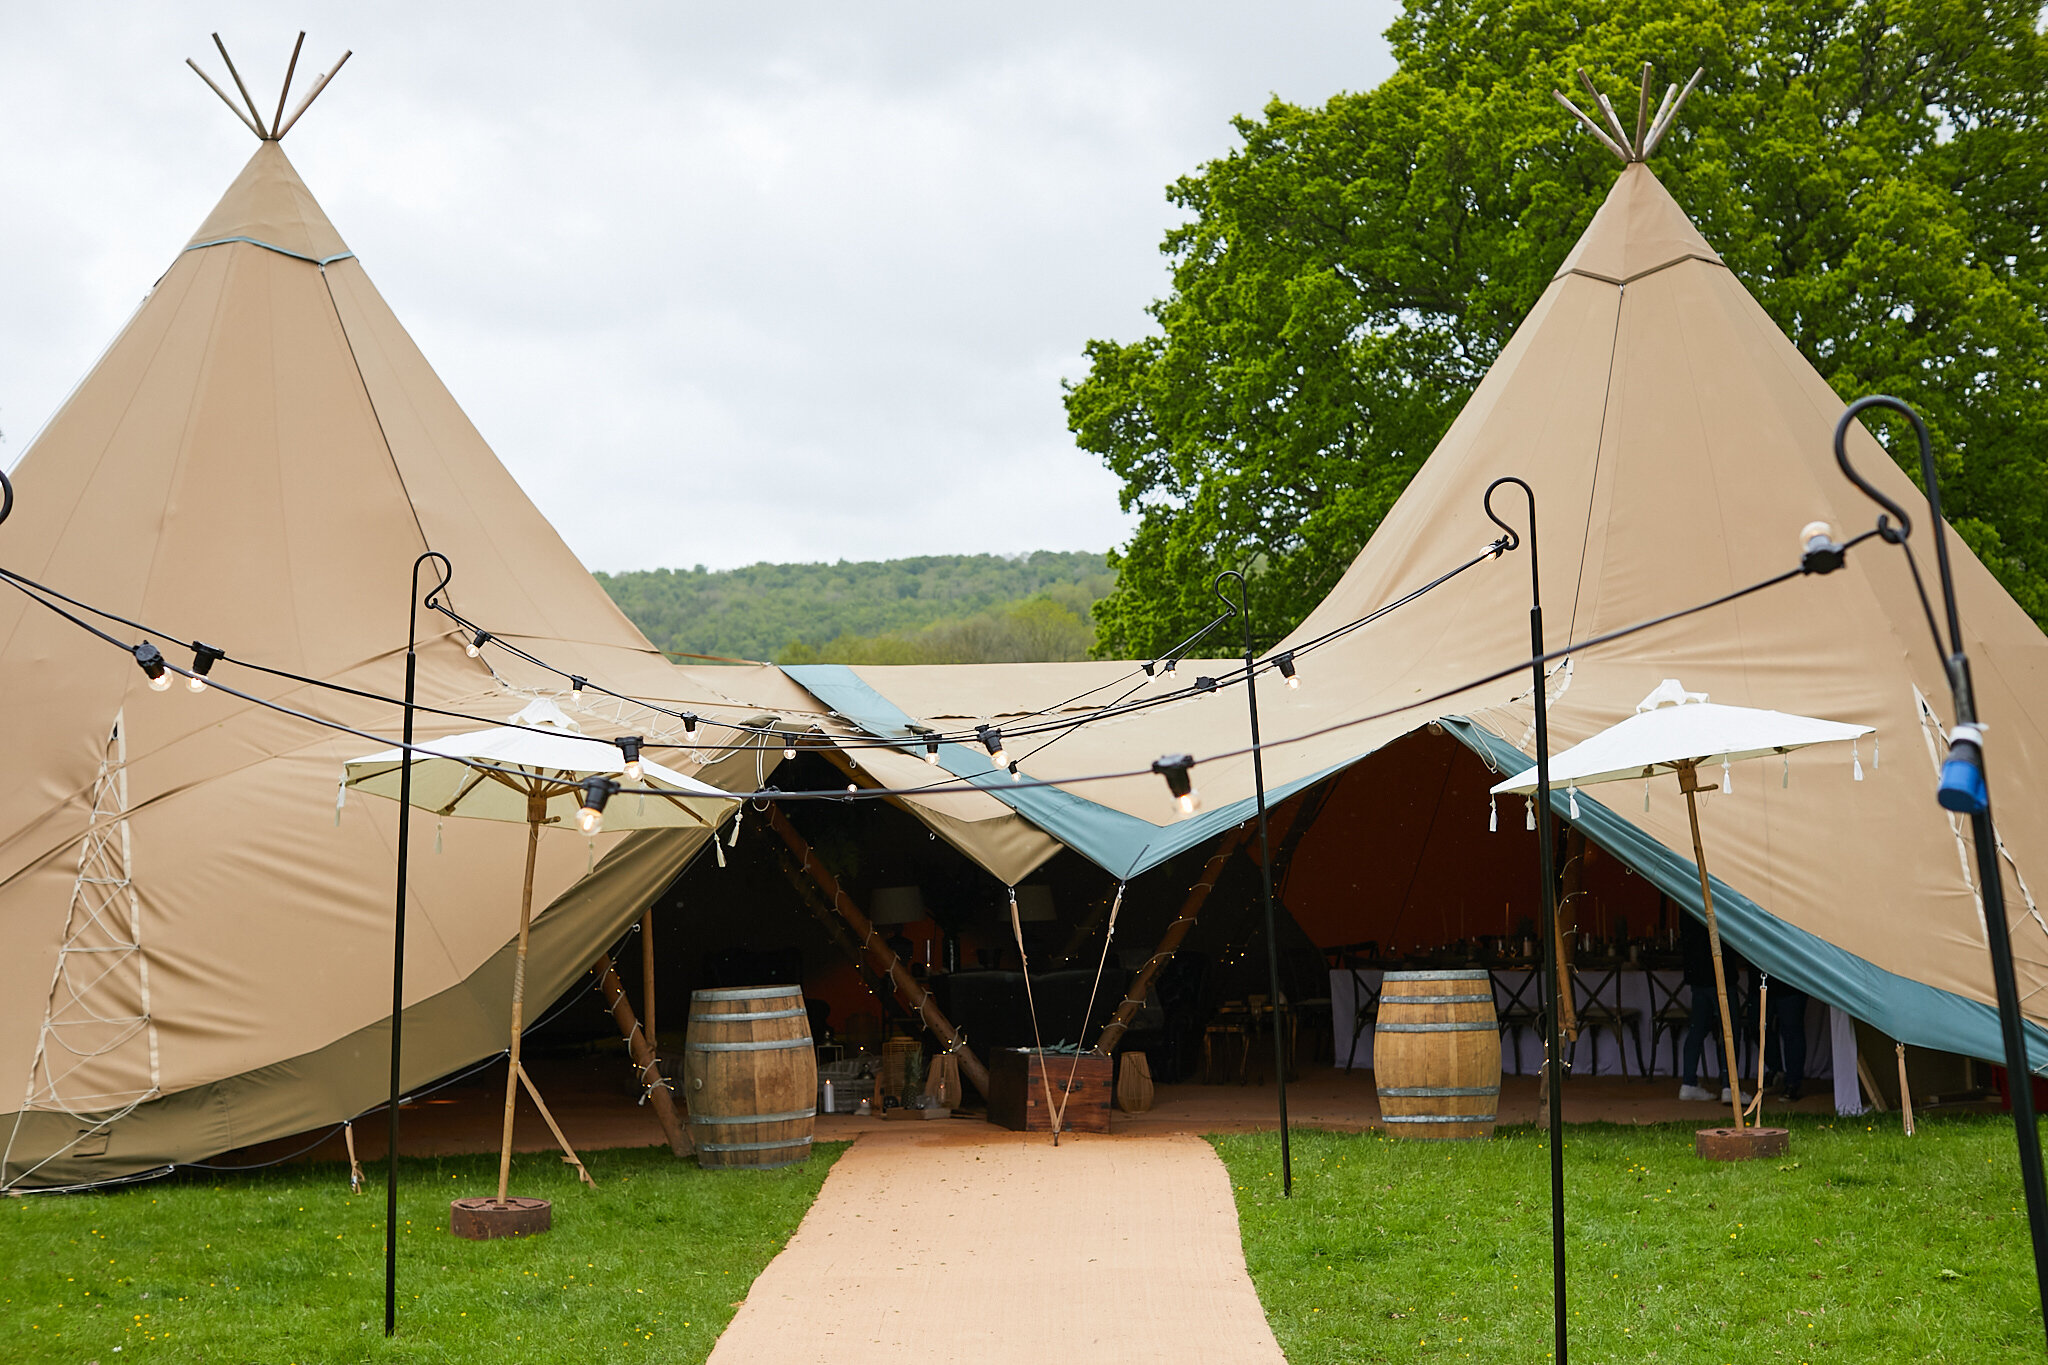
(272, 246)
(1119, 844)
(1910, 1011)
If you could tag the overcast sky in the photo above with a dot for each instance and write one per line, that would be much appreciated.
(718, 287)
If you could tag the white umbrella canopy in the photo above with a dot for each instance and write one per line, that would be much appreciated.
(1673, 727)
(551, 762)
(532, 772)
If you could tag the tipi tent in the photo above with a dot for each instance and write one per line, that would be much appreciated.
(199, 935)
(1676, 442)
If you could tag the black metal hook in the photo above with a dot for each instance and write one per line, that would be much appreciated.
(1870, 490)
(447, 576)
(6, 495)
(1514, 536)
(1932, 481)
(1241, 608)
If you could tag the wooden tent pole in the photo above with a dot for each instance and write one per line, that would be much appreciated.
(1689, 783)
(880, 987)
(1905, 1092)
(915, 997)
(647, 972)
(658, 1094)
(290, 70)
(1170, 941)
(535, 813)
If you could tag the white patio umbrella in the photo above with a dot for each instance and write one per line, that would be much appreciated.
(536, 772)
(1677, 731)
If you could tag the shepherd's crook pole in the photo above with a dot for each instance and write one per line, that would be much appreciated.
(412, 622)
(1251, 695)
(1964, 789)
(1553, 1061)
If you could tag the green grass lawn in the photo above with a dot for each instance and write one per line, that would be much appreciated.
(286, 1265)
(1862, 1245)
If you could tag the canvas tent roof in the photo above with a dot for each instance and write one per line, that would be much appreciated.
(255, 462)
(1676, 442)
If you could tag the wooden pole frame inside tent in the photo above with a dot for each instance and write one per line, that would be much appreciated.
(1170, 941)
(660, 1095)
(915, 997)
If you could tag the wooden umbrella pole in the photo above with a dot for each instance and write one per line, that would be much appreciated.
(1689, 783)
(1170, 941)
(914, 996)
(659, 1095)
(536, 811)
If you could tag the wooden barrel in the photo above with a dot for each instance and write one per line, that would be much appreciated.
(751, 1076)
(1436, 1054)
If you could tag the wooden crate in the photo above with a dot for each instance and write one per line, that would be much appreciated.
(1017, 1080)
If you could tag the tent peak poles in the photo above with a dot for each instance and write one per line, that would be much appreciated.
(1553, 1061)
(1964, 790)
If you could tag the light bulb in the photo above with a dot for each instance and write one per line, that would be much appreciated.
(204, 657)
(633, 771)
(789, 748)
(992, 740)
(931, 752)
(629, 745)
(476, 644)
(150, 660)
(1285, 662)
(1172, 669)
(1175, 769)
(576, 687)
(596, 792)
(1818, 552)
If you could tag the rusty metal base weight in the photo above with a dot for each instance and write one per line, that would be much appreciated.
(1740, 1144)
(482, 1219)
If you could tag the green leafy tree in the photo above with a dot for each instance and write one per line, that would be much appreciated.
(1873, 172)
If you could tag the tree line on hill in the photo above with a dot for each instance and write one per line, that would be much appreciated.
(931, 609)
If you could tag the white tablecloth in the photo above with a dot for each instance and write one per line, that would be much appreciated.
(1595, 1054)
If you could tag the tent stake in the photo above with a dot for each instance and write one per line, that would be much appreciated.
(1905, 1092)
